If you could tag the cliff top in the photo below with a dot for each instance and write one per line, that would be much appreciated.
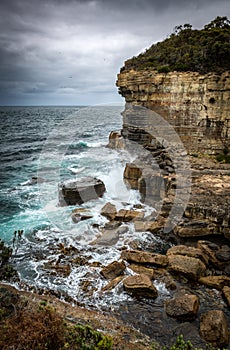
(187, 49)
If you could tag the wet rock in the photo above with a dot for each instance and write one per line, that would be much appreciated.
(112, 225)
(58, 269)
(151, 226)
(113, 270)
(132, 174)
(35, 180)
(188, 251)
(217, 282)
(142, 226)
(109, 211)
(210, 249)
(190, 267)
(223, 254)
(162, 275)
(110, 236)
(116, 140)
(141, 286)
(125, 215)
(156, 226)
(80, 214)
(75, 192)
(139, 269)
(184, 307)
(226, 294)
(140, 257)
(112, 284)
(214, 328)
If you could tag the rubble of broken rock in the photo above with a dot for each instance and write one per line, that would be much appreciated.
(195, 278)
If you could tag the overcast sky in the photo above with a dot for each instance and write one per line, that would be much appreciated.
(68, 52)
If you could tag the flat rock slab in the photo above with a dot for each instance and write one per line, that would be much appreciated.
(145, 258)
(140, 285)
(73, 192)
(113, 270)
(217, 282)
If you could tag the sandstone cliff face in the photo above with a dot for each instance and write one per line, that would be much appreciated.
(198, 106)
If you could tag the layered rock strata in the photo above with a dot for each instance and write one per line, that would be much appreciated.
(179, 120)
(197, 106)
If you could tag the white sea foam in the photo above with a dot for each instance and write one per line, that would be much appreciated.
(76, 170)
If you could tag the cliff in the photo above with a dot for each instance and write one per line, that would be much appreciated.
(196, 105)
(182, 119)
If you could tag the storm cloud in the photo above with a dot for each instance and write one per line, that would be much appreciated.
(56, 52)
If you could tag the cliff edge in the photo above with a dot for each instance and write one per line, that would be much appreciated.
(177, 97)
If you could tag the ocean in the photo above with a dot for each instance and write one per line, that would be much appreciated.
(41, 147)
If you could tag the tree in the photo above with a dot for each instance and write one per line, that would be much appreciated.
(218, 22)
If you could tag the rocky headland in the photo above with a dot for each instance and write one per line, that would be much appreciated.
(195, 107)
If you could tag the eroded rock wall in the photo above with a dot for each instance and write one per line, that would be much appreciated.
(198, 106)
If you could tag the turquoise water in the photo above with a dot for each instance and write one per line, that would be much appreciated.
(24, 131)
(55, 144)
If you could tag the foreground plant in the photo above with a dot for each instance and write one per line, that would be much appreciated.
(44, 329)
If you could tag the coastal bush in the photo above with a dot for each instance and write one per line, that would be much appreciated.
(187, 49)
(42, 328)
(224, 158)
(182, 344)
(6, 270)
(85, 338)
(163, 69)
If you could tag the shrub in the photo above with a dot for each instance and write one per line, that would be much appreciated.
(44, 329)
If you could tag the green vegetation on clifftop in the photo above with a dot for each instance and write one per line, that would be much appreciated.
(187, 49)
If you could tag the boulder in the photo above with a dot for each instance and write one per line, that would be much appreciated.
(109, 211)
(214, 328)
(188, 251)
(80, 214)
(217, 282)
(223, 254)
(140, 257)
(113, 270)
(183, 307)
(210, 249)
(73, 192)
(141, 286)
(226, 294)
(189, 267)
(132, 174)
(125, 215)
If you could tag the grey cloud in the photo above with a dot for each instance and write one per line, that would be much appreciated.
(44, 43)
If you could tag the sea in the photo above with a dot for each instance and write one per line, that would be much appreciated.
(40, 148)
